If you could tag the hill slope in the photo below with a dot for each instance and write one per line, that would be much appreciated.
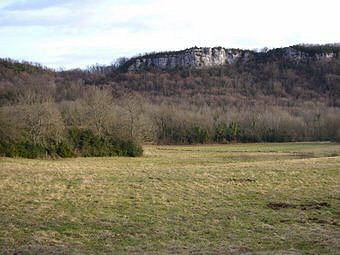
(224, 76)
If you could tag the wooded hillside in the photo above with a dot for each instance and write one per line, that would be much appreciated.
(106, 110)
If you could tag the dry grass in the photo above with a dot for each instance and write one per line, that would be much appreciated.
(216, 199)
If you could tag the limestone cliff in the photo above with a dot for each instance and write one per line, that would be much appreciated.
(207, 57)
(193, 57)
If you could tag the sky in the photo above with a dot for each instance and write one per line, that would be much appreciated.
(78, 33)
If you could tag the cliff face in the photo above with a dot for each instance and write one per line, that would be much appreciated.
(194, 57)
(207, 57)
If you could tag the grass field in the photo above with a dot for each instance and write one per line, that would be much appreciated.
(213, 199)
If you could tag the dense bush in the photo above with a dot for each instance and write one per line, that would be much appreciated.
(30, 150)
(86, 143)
(175, 132)
(63, 150)
(25, 150)
(128, 148)
(79, 143)
(227, 133)
(197, 135)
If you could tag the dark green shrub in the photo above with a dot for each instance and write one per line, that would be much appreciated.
(129, 148)
(227, 133)
(64, 150)
(88, 144)
(197, 135)
(25, 150)
(80, 142)
(220, 131)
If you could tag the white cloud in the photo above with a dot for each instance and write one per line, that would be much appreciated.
(99, 31)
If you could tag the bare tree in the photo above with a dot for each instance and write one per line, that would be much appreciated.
(133, 105)
(98, 111)
(39, 119)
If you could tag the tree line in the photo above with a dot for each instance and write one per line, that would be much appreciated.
(97, 124)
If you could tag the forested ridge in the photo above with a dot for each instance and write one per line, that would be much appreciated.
(106, 110)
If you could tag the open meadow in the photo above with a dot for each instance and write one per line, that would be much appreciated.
(211, 199)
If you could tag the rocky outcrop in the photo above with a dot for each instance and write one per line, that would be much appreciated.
(207, 57)
(193, 57)
(298, 53)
